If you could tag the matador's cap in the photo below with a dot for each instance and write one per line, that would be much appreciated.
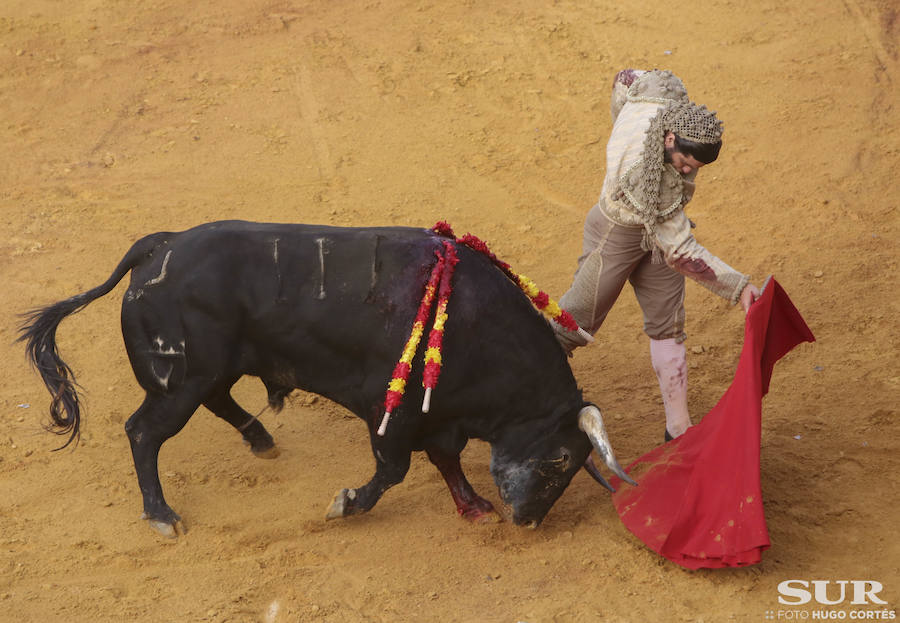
(693, 122)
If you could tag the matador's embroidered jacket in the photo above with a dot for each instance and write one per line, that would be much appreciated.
(637, 97)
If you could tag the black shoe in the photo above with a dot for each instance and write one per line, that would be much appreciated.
(668, 436)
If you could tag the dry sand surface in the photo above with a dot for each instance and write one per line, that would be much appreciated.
(124, 118)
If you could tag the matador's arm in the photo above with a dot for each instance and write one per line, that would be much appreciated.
(687, 256)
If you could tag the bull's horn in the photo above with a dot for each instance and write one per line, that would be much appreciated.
(591, 468)
(591, 422)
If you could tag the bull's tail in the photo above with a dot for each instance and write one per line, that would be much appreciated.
(38, 331)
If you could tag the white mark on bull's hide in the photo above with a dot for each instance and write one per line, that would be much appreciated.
(323, 251)
(378, 456)
(374, 279)
(162, 370)
(162, 271)
(170, 351)
(162, 380)
(279, 281)
(351, 494)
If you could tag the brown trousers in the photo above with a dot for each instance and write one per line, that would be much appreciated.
(612, 255)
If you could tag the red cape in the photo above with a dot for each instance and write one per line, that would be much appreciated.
(699, 502)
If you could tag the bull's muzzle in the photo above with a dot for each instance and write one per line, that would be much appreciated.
(591, 422)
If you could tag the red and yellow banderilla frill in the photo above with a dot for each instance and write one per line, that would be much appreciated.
(397, 386)
(436, 337)
(540, 299)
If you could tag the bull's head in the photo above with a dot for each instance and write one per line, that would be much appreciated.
(531, 477)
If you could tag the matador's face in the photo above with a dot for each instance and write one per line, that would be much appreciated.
(683, 163)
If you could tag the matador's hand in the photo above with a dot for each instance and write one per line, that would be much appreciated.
(748, 296)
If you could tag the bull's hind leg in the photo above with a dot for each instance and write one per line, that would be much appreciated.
(156, 420)
(224, 406)
(469, 504)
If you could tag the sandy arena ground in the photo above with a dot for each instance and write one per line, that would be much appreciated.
(123, 118)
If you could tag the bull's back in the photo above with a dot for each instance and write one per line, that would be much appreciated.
(315, 307)
(255, 265)
(329, 309)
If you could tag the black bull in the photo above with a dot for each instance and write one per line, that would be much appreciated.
(328, 310)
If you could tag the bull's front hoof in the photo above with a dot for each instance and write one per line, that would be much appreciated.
(169, 529)
(340, 505)
(479, 511)
(482, 517)
(271, 452)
